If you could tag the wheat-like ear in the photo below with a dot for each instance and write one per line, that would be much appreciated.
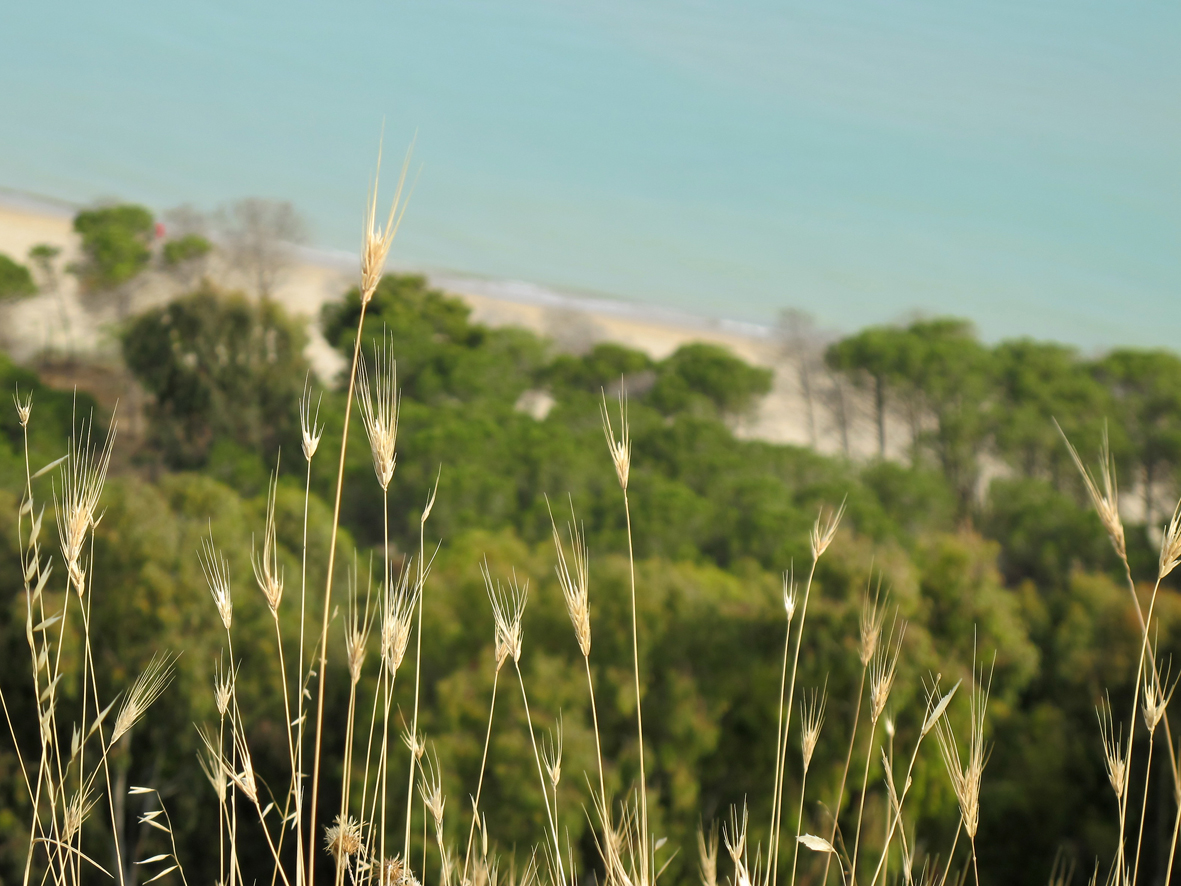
(811, 719)
(380, 404)
(397, 620)
(883, 668)
(23, 407)
(966, 776)
(574, 578)
(870, 621)
(217, 576)
(1113, 753)
(823, 531)
(1106, 501)
(791, 593)
(621, 448)
(266, 568)
(310, 429)
(508, 608)
(707, 854)
(82, 475)
(377, 240)
(551, 753)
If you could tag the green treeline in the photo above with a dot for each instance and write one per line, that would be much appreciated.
(500, 422)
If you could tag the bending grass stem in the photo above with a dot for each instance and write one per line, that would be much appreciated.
(480, 781)
(631, 565)
(344, 442)
(541, 775)
(861, 800)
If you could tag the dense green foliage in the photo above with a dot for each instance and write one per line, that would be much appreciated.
(1023, 569)
(115, 244)
(15, 280)
(188, 248)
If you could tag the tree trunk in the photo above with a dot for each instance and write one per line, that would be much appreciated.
(879, 398)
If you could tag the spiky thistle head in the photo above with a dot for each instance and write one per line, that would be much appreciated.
(217, 576)
(377, 240)
(574, 577)
(811, 719)
(397, 619)
(882, 669)
(1105, 500)
(343, 838)
(310, 429)
(266, 568)
(620, 449)
(508, 608)
(824, 530)
(83, 474)
(966, 775)
(870, 623)
(145, 690)
(379, 403)
(23, 407)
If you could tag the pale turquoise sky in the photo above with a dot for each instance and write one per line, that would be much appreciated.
(1014, 163)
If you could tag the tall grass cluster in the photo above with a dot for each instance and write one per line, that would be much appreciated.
(364, 835)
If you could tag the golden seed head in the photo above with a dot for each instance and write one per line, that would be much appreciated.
(707, 853)
(551, 754)
(310, 429)
(379, 404)
(574, 577)
(811, 719)
(882, 670)
(823, 534)
(966, 777)
(217, 576)
(508, 608)
(146, 689)
(621, 449)
(266, 568)
(23, 408)
(791, 594)
(1156, 698)
(377, 240)
(397, 619)
(870, 622)
(83, 474)
(1106, 502)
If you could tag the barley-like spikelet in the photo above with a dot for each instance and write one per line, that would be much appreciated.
(508, 607)
(573, 576)
(791, 594)
(621, 449)
(77, 811)
(822, 536)
(1113, 752)
(244, 780)
(23, 408)
(266, 568)
(223, 687)
(870, 622)
(551, 754)
(82, 474)
(397, 621)
(707, 854)
(356, 635)
(214, 768)
(431, 789)
(1106, 502)
(735, 840)
(217, 576)
(377, 241)
(882, 670)
(811, 719)
(310, 429)
(965, 778)
(415, 744)
(379, 404)
(1156, 697)
(1170, 546)
(145, 690)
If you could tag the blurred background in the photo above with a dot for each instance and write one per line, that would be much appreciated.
(864, 252)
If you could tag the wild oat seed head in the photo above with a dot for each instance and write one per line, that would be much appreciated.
(574, 577)
(822, 535)
(508, 607)
(811, 719)
(244, 780)
(735, 839)
(223, 687)
(621, 449)
(145, 690)
(882, 669)
(379, 404)
(77, 811)
(415, 744)
(83, 474)
(217, 576)
(266, 568)
(215, 770)
(966, 777)
(707, 854)
(23, 409)
(791, 594)
(937, 706)
(397, 619)
(343, 838)
(870, 622)
(1106, 502)
(377, 241)
(310, 429)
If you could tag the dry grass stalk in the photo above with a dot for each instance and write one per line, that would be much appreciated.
(375, 247)
(1105, 500)
(621, 448)
(82, 477)
(217, 576)
(811, 719)
(143, 692)
(707, 854)
(1113, 753)
(508, 608)
(574, 578)
(266, 567)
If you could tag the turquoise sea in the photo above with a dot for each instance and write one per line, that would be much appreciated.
(1018, 163)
